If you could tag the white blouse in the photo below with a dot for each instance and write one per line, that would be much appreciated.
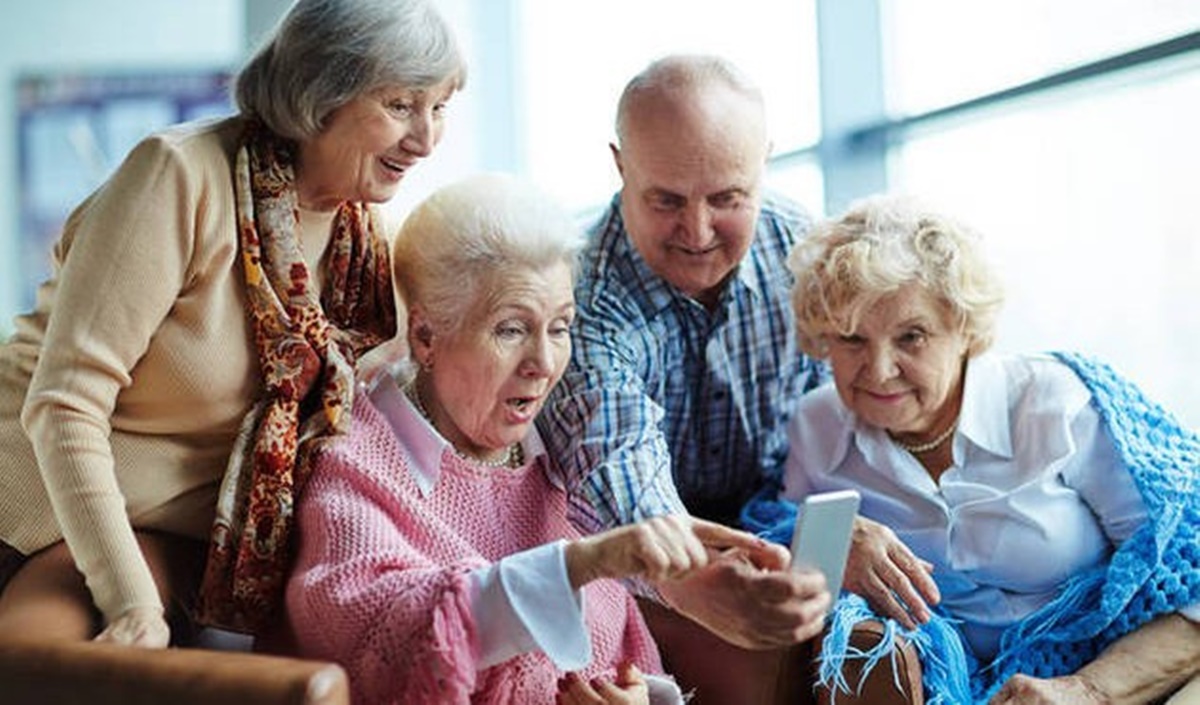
(1036, 492)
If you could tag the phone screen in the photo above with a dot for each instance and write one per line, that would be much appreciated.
(821, 539)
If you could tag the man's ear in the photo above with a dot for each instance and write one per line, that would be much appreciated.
(616, 153)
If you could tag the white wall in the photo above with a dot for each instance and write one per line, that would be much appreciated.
(97, 35)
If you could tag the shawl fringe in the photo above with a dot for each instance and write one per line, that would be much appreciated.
(1154, 572)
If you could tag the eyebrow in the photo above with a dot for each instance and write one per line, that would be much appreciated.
(510, 308)
(660, 192)
(732, 190)
(918, 321)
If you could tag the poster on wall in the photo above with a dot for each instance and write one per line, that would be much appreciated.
(74, 129)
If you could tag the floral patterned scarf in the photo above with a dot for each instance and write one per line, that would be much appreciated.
(306, 350)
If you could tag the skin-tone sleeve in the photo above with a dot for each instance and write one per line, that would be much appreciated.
(127, 251)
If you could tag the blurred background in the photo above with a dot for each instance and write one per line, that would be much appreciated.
(1065, 131)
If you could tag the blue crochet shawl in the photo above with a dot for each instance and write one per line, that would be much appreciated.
(1156, 571)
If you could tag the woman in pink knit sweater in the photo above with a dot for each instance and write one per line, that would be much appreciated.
(436, 562)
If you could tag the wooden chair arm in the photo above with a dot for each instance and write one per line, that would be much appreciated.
(88, 673)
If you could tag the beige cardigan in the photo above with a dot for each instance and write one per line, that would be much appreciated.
(135, 368)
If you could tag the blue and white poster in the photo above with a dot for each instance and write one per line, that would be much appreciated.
(74, 129)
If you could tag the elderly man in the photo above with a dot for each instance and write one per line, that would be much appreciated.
(685, 367)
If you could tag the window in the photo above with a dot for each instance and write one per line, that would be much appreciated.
(1083, 187)
(941, 52)
(575, 59)
(1083, 192)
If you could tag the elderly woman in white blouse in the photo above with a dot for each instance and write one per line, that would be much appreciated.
(1037, 502)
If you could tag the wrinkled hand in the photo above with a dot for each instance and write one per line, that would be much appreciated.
(888, 575)
(140, 626)
(1066, 690)
(752, 599)
(660, 548)
(629, 688)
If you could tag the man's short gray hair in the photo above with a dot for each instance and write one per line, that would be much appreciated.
(682, 75)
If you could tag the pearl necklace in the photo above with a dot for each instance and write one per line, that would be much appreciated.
(514, 457)
(919, 448)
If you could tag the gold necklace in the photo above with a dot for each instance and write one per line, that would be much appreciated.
(919, 448)
(514, 457)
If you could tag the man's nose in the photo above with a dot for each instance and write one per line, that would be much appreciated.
(696, 227)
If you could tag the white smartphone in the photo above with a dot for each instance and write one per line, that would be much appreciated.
(821, 539)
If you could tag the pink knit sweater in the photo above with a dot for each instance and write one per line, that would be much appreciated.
(381, 582)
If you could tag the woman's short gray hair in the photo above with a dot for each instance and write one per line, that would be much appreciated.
(461, 242)
(325, 53)
(880, 244)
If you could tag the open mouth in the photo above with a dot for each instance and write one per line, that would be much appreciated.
(522, 404)
(394, 165)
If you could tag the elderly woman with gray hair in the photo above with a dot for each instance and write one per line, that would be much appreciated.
(436, 561)
(1055, 509)
(201, 329)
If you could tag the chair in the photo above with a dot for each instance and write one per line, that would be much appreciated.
(88, 673)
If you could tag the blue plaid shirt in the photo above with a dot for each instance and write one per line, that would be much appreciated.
(666, 405)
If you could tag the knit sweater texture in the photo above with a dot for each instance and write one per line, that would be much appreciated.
(382, 578)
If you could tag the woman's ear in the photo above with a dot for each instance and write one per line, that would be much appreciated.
(420, 338)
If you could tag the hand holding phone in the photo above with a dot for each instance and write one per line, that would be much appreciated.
(821, 539)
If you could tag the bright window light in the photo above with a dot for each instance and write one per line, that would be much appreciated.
(1086, 203)
(577, 57)
(944, 51)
